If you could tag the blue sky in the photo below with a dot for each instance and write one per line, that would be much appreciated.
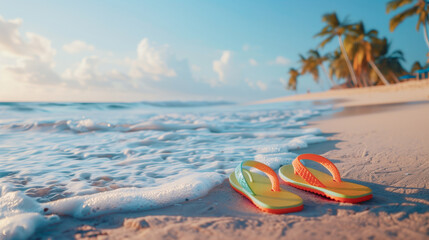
(169, 50)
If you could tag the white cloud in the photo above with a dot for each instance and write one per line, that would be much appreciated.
(87, 74)
(27, 72)
(261, 85)
(220, 66)
(195, 68)
(280, 60)
(12, 44)
(253, 62)
(10, 38)
(249, 83)
(256, 85)
(30, 71)
(32, 56)
(85, 71)
(246, 47)
(78, 46)
(32, 62)
(151, 62)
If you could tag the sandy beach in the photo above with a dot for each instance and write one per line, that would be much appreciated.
(411, 91)
(383, 146)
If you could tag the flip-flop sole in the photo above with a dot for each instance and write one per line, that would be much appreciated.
(346, 192)
(266, 199)
(339, 199)
(270, 210)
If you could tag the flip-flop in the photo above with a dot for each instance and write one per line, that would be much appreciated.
(264, 192)
(312, 180)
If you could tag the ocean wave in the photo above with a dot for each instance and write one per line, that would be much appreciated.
(173, 104)
(52, 107)
(88, 125)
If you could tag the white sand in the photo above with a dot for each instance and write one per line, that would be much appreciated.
(410, 91)
(384, 147)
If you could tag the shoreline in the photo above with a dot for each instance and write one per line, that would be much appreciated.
(382, 148)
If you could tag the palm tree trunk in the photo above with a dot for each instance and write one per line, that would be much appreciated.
(327, 75)
(379, 74)
(425, 33)
(365, 79)
(346, 57)
(394, 77)
(359, 81)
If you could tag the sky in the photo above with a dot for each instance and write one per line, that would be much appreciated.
(127, 51)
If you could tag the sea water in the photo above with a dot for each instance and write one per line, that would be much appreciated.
(88, 159)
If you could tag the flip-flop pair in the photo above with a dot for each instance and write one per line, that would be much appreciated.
(267, 194)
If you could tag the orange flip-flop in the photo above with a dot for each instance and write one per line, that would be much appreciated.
(312, 180)
(264, 192)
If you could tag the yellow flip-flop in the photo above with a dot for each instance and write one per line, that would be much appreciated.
(312, 180)
(264, 192)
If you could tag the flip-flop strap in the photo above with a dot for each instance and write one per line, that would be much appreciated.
(275, 185)
(302, 171)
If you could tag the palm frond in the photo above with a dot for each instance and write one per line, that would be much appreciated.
(416, 66)
(324, 42)
(293, 78)
(423, 17)
(323, 32)
(395, 4)
(399, 18)
(331, 19)
(314, 53)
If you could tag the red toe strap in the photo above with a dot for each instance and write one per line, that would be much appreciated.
(302, 171)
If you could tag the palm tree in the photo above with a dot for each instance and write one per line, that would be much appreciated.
(338, 67)
(319, 60)
(418, 8)
(389, 63)
(293, 78)
(417, 66)
(335, 28)
(360, 45)
(308, 65)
